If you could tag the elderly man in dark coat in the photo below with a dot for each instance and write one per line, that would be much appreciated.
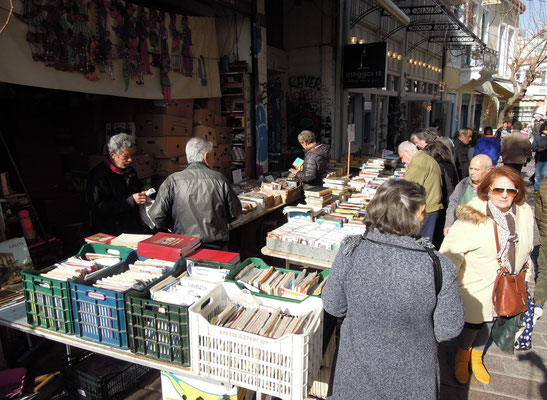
(114, 191)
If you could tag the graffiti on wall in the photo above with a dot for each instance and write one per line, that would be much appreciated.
(309, 107)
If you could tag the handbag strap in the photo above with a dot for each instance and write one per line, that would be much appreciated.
(497, 238)
(437, 270)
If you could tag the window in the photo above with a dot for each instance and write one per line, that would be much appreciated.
(484, 26)
(502, 49)
(509, 53)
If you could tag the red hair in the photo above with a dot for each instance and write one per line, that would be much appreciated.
(508, 172)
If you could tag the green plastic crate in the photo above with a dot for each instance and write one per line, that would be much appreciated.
(160, 330)
(260, 263)
(47, 301)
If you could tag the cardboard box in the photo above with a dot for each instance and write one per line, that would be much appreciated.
(204, 117)
(222, 136)
(176, 387)
(221, 120)
(163, 147)
(180, 108)
(222, 156)
(168, 166)
(144, 164)
(163, 125)
(214, 104)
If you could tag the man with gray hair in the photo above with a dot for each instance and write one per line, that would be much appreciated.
(466, 189)
(114, 191)
(197, 201)
(423, 169)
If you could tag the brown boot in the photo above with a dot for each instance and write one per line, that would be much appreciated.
(478, 368)
(461, 366)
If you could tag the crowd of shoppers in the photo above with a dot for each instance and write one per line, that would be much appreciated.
(382, 283)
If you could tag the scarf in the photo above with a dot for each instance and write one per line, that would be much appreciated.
(127, 172)
(506, 224)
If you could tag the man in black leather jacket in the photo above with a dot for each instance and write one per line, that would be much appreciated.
(316, 161)
(197, 201)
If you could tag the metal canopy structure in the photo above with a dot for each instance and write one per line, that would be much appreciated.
(436, 22)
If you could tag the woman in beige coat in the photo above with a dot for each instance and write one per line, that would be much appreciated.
(471, 246)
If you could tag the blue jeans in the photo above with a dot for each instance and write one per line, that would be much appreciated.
(541, 172)
(428, 227)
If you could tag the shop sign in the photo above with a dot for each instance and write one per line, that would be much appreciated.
(365, 65)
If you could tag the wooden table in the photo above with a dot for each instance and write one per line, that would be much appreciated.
(297, 259)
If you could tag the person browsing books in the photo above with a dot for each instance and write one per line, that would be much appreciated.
(114, 191)
(197, 201)
(316, 161)
(383, 284)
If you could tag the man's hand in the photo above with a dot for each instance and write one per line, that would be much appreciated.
(445, 230)
(140, 198)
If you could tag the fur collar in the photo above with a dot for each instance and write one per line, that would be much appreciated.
(469, 214)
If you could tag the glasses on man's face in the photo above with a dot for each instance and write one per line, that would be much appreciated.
(511, 192)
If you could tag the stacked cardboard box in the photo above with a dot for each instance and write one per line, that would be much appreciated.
(164, 130)
(211, 125)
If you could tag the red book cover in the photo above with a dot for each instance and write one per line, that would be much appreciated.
(216, 255)
(167, 246)
(99, 238)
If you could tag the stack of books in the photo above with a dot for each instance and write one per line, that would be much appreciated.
(263, 321)
(75, 267)
(183, 290)
(129, 240)
(318, 197)
(168, 246)
(137, 276)
(280, 283)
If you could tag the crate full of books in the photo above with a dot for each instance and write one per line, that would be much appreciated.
(262, 344)
(98, 304)
(266, 281)
(157, 318)
(47, 291)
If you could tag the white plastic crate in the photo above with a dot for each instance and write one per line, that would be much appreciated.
(284, 367)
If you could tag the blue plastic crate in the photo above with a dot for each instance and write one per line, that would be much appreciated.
(47, 300)
(100, 314)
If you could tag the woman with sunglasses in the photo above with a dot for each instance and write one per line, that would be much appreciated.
(499, 213)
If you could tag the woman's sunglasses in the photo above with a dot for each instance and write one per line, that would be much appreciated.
(511, 192)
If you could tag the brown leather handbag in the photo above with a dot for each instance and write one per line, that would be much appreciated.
(509, 295)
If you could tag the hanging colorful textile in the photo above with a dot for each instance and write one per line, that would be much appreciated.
(82, 35)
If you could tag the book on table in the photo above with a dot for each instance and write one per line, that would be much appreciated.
(168, 246)
(99, 238)
(317, 191)
(226, 257)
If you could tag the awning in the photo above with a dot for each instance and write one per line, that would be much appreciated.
(504, 89)
(487, 89)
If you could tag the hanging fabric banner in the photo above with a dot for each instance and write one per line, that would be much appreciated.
(109, 47)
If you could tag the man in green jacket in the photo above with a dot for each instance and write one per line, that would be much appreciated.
(423, 169)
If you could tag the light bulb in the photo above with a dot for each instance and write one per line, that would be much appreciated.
(399, 57)
(389, 53)
(361, 41)
(353, 40)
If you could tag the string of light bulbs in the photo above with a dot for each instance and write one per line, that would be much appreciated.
(399, 57)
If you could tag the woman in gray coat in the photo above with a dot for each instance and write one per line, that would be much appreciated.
(383, 284)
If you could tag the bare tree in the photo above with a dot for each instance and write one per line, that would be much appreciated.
(530, 52)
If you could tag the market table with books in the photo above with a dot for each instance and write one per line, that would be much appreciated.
(133, 327)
